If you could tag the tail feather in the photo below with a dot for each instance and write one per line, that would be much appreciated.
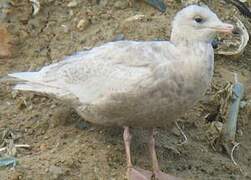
(45, 90)
(32, 81)
(27, 76)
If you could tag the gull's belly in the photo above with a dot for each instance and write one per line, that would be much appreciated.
(151, 108)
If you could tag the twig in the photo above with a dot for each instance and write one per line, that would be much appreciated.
(22, 146)
(182, 132)
(236, 78)
(3, 149)
(16, 146)
(173, 149)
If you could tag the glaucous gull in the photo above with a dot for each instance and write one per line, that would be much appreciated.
(145, 84)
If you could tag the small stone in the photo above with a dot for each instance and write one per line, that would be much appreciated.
(83, 24)
(46, 137)
(71, 13)
(121, 4)
(43, 147)
(72, 4)
(16, 176)
(66, 30)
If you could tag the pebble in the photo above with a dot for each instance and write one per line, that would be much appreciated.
(66, 30)
(83, 24)
(16, 176)
(72, 4)
(43, 147)
(71, 13)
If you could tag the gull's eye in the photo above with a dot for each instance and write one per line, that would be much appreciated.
(199, 20)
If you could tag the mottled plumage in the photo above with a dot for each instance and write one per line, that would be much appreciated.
(127, 82)
(136, 84)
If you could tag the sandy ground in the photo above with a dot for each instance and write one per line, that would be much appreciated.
(66, 147)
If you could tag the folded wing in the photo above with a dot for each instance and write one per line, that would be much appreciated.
(87, 75)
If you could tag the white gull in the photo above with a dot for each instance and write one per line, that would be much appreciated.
(136, 84)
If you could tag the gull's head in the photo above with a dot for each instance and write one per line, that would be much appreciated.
(197, 23)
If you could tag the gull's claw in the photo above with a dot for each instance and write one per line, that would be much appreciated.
(163, 176)
(138, 174)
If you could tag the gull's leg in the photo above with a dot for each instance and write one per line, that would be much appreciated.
(157, 173)
(133, 173)
(127, 140)
(130, 2)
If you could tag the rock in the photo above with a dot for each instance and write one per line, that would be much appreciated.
(121, 4)
(55, 171)
(72, 4)
(83, 24)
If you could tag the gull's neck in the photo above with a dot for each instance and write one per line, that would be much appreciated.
(199, 53)
(182, 38)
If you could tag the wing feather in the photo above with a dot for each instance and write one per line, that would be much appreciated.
(111, 68)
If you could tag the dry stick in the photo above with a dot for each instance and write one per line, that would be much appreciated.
(16, 146)
(182, 132)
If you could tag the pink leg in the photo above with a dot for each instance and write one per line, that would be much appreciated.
(157, 173)
(133, 173)
(127, 140)
(130, 2)
(152, 150)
